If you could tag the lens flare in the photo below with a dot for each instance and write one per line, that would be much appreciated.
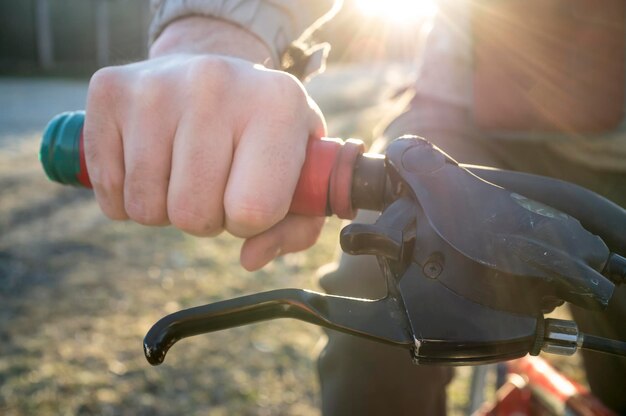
(398, 11)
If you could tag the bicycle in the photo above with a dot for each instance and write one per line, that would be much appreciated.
(424, 256)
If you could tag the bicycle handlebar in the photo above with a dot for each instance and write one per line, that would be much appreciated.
(452, 229)
(337, 178)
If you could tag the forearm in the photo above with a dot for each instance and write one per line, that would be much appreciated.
(204, 35)
(251, 29)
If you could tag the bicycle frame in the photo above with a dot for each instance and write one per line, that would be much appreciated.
(535, 388)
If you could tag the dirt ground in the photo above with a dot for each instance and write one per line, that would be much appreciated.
(78, 292)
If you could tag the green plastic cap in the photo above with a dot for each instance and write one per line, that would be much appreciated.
(60, 147)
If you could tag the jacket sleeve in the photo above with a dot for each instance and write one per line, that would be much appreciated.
(278, 23)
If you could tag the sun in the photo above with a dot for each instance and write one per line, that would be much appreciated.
(398, 11)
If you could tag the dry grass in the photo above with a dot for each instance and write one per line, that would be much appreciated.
(79, 292)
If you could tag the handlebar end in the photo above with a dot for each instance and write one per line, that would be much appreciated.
(60, 153)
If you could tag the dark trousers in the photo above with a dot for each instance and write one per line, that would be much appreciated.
(361, 377)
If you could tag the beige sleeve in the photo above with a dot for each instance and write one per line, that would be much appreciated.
(278, 23)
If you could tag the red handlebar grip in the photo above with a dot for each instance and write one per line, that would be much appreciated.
(324, 186)
(311, 194)
(83, 175)
(340, 187)
(325, 183)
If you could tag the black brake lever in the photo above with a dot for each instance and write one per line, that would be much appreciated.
(381, 320)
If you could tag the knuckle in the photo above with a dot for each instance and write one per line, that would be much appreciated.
(288, 88)
(109, 196)
(193, 221)
(151, 91)
(142, 205)
(103, 83)
(111, 212)
(107, 181)
(140, 211)
(286, 98)
(211, 76)
(137, 175)
(251, 216)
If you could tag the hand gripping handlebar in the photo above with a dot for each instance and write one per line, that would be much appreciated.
(325, 186)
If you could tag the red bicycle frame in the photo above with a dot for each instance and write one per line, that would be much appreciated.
(536, 388)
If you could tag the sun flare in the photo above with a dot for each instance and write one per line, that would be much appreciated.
(398, 11)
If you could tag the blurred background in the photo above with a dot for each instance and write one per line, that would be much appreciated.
(75, 37)
(78, 292)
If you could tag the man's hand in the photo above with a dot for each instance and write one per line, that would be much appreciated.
(204, 141)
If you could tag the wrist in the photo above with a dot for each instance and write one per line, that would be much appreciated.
(206, 35)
